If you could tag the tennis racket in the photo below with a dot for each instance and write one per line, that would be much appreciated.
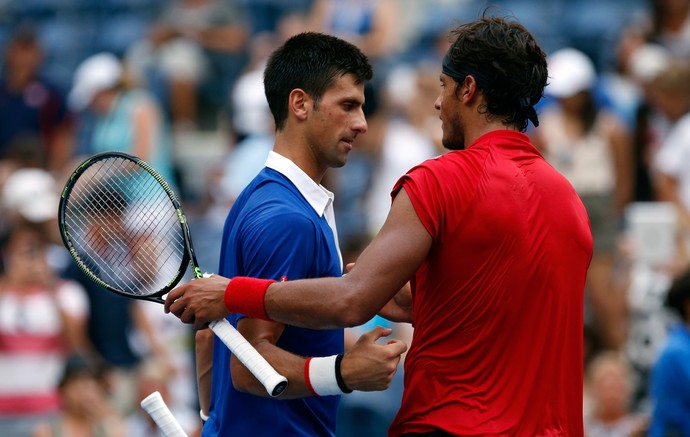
(154, 405)
(125, 228)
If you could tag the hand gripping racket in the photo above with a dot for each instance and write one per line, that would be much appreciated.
(154, 405)
(125, 228)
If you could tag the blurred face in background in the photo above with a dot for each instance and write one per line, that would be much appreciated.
(26, 259)
(611, 388)
(669, 92)
(23, 60)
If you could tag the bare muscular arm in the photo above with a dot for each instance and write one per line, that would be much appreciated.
(382, 269)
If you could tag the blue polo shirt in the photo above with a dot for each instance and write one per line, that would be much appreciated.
(277, 228)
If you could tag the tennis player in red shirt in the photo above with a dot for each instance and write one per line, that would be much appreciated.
(495, 244)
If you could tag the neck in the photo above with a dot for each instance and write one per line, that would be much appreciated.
(481, 129)
(293, 147)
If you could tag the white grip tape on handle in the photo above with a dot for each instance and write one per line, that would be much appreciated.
(274, 382)
(154, 405)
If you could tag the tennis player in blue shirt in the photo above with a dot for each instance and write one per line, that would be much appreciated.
(281, 227)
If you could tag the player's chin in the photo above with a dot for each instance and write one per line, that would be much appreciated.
(338, 162)
(340, 159)
(453, 143)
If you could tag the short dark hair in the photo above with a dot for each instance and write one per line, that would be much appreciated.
(312, 62)
(510, 60)
(679, 294)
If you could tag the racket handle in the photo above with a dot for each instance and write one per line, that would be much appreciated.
(160, 413)
(274, 382)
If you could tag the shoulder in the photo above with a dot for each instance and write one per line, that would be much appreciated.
(272, 202)
(454, 160)
(270, 189)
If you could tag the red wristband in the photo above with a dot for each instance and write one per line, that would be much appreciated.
(246, 296)
(307, 380)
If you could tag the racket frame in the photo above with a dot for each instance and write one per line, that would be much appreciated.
(188, 257)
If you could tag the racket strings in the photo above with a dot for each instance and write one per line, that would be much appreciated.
(124, 227)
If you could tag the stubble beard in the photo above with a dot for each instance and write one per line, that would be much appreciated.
(454, 137)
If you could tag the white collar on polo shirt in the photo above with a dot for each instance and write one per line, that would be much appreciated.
(318, 197)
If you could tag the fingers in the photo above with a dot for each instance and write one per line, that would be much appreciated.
(170, 299)
(397, 346)
(375, 334)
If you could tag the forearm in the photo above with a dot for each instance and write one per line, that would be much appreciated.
(341, 306)
(287, 364)
(204, 364)
(399, 309)
(382, 269)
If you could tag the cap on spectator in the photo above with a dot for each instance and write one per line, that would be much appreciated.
(97, 73)
(570, 72)
(32, 193)
(251, 112)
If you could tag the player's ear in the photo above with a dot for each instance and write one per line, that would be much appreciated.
(468, 88)
(300, 103)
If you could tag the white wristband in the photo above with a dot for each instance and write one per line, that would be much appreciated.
(203, 416)
(320, 376)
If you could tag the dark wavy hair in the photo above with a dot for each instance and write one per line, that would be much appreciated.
(312, 62)
(511, 60)
(679, 295)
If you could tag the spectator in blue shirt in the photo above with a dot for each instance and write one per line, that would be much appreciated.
(670, 381)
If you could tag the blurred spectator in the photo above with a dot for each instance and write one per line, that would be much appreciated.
(171, 356)
(672, 160)
(649, 254)
(609, 385)
(84, 406)
(265, 15)
(31, 109)
(670, 382)
(113, 323)
(634, 64)
(591, 147)
(409, 137)
(30, 195)
(651, 118)
(670, 26)
(42, 320)
(369, 24)
(195, 50)
(128, 119)
(153, 376)
(253, 124)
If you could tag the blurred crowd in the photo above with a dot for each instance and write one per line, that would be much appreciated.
(179, 84)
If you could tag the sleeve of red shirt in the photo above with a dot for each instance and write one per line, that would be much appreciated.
(425, 192)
